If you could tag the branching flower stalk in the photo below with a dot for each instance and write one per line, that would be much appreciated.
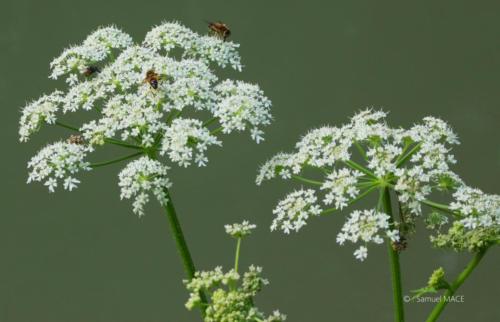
(160, 100)
(231, 295)
(338, 166)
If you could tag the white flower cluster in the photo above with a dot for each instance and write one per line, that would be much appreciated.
(172, 35)
(413, 161)
(293, 211)
(228, 301)
(139, 178)
(58, 161)
(132, 116)
(386, 148)
(38, 112)
(366, 226)
(282, 164)
(151, 97)
(240, 105)
(341, 187)
(476, 208)
(240, 230)
(186, 139)
(96, 48)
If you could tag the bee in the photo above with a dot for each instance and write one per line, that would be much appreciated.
(219, 29)
(152, 78)
(400, 245)
(75, 139)
(89, 71)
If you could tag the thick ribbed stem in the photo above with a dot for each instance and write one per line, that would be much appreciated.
(181, 244)
(397, 293)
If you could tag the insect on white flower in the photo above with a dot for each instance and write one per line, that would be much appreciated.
(340, 165)
(146, 97)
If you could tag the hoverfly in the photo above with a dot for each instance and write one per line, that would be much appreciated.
(89, 71)
(152, 78)
(219, 29)
(400, 245)
(75, 139)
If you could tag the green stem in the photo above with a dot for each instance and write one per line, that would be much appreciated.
(360, 150)
(107, 140)
(367, 183)
(123, 144)
(237, 255)
(217, 130)
(210, 121)
(395, 266)
(439, 206)
(173, 115)
(436, 312)
(325, 171)
(100, 164)
(402, 160)
(181, 244)
(360, 168)
(67, 126)
(309, 181)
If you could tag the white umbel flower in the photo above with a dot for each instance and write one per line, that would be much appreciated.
(150, 98)
(187, 140)
(240, 106)
(361, 253)
(366, 226)
(43, 110)
(477, 208)
(283, 165)
(323, 147)
(97, 47)
(170, 35)
(57, 162)
(293, 212)
(142, 177)
(415, 160)
(221, 52)
(240, 230)
(341, 187)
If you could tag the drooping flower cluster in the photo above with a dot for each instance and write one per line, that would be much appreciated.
(57, 162)
(139, 178)
(147, 96)
(475, 223)
(477, 208)
(231, 296)
(240, 230)
(293, 211)
(366, 226)
(39, 112)
(412, 162)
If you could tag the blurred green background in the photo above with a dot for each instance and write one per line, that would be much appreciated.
(84, 256)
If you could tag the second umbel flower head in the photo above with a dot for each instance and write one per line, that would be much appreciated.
(340, 165)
